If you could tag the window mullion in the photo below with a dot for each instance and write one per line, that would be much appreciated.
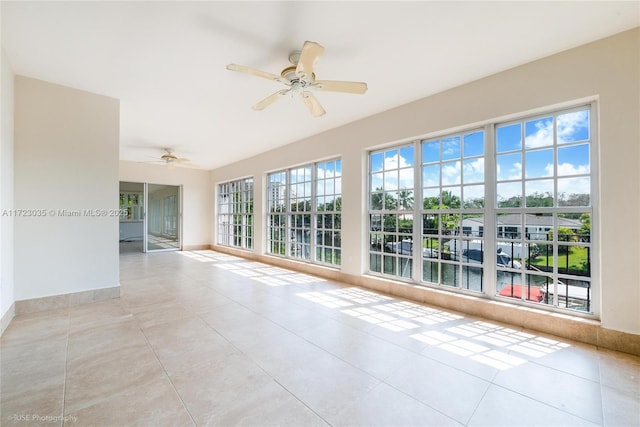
(313, 214)
(490, 212)
(416, 273)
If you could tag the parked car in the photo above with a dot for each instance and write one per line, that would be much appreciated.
(405, 247)
(502, 259)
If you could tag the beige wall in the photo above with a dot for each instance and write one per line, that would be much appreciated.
(66, 158)
(6, 192)
(196, 196)
(607, 70)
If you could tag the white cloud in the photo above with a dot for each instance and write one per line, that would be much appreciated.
(451, 173)
(570, 123)
(398, 173)
(543, 136)
(474, 171)
(515, 172)
(571, 169)
(574, 186)
(566, 169)
(567, 126)
(473, 192)
(451, 148)
(544, 186)
(396, 161)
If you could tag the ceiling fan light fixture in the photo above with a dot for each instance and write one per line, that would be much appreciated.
(301, 79)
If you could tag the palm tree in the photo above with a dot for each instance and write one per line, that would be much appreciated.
(405, 198)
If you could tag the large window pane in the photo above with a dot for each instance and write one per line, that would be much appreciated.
(540, 213)
(553, 245)
(307, 200)
(391, 212)
(235, 213)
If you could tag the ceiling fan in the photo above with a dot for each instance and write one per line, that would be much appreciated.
(301, 80)
(171, 160)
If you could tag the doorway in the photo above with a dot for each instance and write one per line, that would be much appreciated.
(150, 217)
(163, 225)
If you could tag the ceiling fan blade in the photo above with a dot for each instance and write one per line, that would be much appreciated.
(270, 99)
(309, 55)
(338, 86)
(186, 163)
(312, 104)
(253, 71)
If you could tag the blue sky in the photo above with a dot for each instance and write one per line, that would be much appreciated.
(525, 147)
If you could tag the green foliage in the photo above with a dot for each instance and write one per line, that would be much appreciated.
(405, 199)
(540, 200)
(447, 200)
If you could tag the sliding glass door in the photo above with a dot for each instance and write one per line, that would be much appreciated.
(164, 218)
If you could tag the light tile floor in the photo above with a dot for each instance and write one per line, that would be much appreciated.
(203, 338)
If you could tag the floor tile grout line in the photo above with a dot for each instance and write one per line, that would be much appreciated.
(66, 368)
(257, 364)
(548, 405)
(292, 394)
(478, 405)
(413, 398)
(167, 376)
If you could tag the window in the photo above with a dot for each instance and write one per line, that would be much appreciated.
(328, 215)
(235, 213)
(391, 204)
(532, 210)
(304, 219)
(453, 182)
(544, 209)
(277, 215)
(299, 212)
(131, 206)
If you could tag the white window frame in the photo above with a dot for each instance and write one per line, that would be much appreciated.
(294, 221)
(491, 210)
(235, 202)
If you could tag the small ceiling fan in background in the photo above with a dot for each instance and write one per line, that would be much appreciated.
(301, 80)
(171, 160)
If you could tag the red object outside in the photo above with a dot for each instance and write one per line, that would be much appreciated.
(532, 293)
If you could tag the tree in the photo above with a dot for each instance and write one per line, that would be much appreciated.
(381, 200)
(405, 199)
(447, 200)
(584, 232)
(511, 202)
(539, 200)
(450, 201)
(575, 199)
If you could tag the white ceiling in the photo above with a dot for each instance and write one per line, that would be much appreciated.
(166, 61)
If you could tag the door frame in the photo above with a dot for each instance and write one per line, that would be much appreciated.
(145, 245)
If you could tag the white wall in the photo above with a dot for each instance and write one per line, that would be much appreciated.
(608, 70)
(196, 196)
(66, 158)
(6, 187)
